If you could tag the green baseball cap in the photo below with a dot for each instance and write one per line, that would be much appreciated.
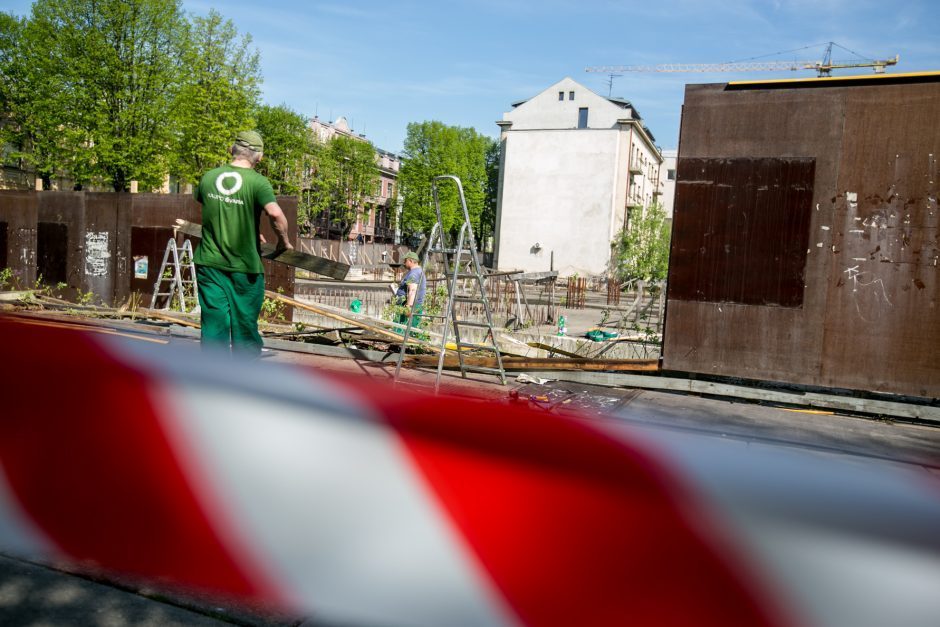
(411, 255)
(250, 139)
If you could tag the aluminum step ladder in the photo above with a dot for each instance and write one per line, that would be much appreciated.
(181, 280)
(465, 284)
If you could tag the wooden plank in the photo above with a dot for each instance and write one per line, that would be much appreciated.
(295, 258)
(554, 349)
(531, 276)
(347, 320)
(341, 352)
(13, 297)
(541, 363)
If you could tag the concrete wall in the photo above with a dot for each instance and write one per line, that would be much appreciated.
(564, 200)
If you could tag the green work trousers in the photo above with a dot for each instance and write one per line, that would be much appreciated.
(230, 303)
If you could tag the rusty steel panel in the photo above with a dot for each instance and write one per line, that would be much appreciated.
(52, 246)
(161, 210)
(99, 244)
(18, 215)
(4, 255)
(66, 209)
(89, 240)
(148, 245)
(867, 320)
(881, 323)
(742, 235)
(278, 276)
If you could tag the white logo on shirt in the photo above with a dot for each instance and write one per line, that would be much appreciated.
(219, 183)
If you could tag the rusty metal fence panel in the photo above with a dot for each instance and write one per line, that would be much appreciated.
(107, 244)
(18, 236)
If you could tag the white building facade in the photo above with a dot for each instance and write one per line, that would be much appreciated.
(573, 165)
(669, 181)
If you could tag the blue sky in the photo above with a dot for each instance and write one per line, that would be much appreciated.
(385, 64)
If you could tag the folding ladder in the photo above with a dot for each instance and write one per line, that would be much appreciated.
(181, 281)
(465, 284)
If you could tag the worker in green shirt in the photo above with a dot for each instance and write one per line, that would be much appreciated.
(229, 274)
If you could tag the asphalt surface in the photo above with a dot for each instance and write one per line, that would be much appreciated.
(38, 595)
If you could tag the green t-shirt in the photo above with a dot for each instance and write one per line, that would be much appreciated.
(232, 201)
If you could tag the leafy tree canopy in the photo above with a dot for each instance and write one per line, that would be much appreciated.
(288, 148)
(433, 149)
(220, 86)
(111, 91)
(111, 71)
(641, 252)
(345, 179)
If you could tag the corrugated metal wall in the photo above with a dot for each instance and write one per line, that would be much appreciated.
(93, 241)
(805, 240)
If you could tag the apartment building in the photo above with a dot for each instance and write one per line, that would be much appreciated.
(573, 166)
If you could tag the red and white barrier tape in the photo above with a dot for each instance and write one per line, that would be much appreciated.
(348, 499)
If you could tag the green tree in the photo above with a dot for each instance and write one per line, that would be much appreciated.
(345, 179)
(488, 215)
(220, 87)
(641, 252)
(288, 148)
(11, 29)
(102, 76)
(37, 120)
(433, 149)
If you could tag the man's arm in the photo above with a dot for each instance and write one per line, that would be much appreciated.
(412, 292)
(279, 224)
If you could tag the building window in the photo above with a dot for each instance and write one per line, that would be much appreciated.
(570, 95)
(671, 175)
(561, 95)
(582, 117)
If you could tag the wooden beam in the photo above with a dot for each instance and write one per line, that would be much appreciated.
(532, 276)
(540, 363)
(554, 349)
(394, 337)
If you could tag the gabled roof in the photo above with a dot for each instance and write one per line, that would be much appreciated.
(621, 102)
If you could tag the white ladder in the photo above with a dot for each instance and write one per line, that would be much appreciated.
(182, 280)
(465, 284)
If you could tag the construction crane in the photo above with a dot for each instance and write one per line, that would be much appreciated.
(822, 68)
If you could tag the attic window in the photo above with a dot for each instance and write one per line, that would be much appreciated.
(570, 95)
(561, 95)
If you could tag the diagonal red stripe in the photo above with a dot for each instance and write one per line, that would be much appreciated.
(85, 454)
(573, 527)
